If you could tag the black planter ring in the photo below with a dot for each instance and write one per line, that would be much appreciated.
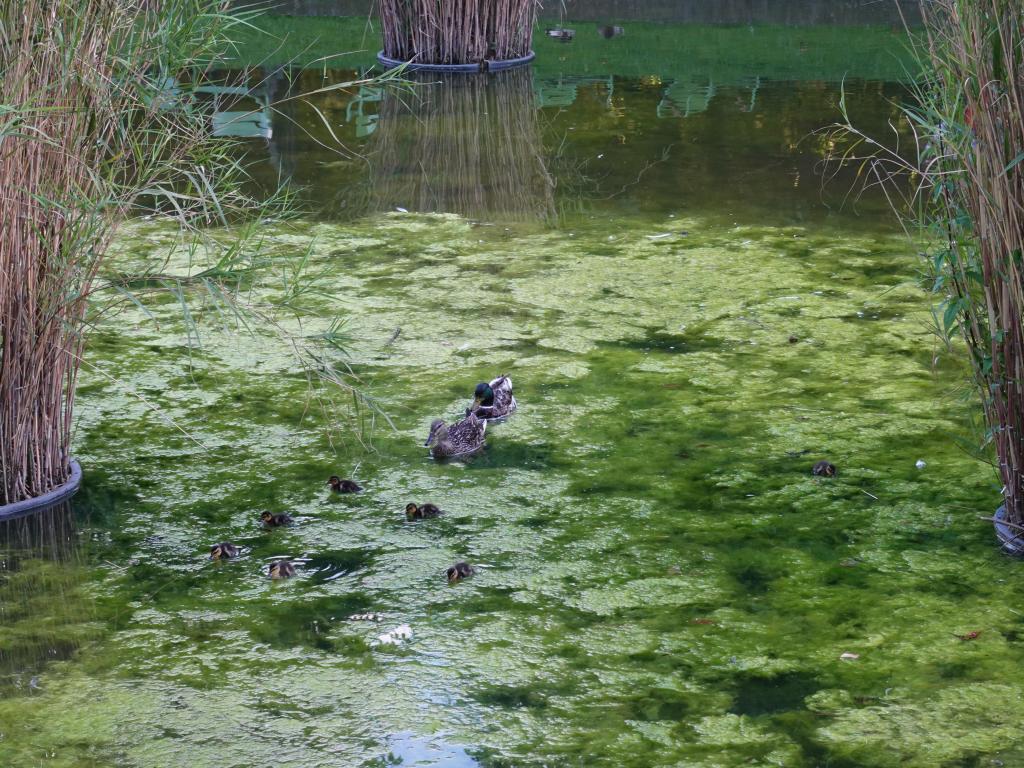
(1011, 538)
(48, 499)
(487, 65)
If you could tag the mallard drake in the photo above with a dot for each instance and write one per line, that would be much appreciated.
(824, 469)
(223, 551)
(343, 486)
(273, 521)
(459, 571)
(420, 511)
(494, 400)
(281, 569)
(461, 438)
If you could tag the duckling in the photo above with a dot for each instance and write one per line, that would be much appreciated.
(223, 551)
(273, 521)
(420, 511)
(824, 469)
(281, 569)
(459, 571)
(343, 486)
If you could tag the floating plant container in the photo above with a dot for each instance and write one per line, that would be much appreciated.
(457, 35)
(484, 65)
(62, 492)
(1011, 538)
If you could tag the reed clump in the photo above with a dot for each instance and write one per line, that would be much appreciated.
(89, 128)
(963, 184)
(457, 31)
(973, 110)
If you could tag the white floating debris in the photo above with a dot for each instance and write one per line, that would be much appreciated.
(366, 617)
(659, 237)
(400, 209)
(920, 464)
(849, 656)
(600, 156)
(396, 636)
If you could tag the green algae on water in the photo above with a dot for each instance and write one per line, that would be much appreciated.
(662, 580)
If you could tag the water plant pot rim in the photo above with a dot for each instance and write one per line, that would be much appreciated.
(487, 65)
(48, 499)
(1011, 538)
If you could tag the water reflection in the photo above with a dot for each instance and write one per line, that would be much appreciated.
(42, 617)
(796, 12)
(467, 144)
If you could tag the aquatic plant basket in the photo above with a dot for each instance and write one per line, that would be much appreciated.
(48, 499)
(1012, 539)
(486, 65)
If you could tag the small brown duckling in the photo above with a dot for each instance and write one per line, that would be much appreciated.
(281, 569)
(824, 469)
(421, 511)
(459, 571)
(223, 551)
(273, 521)
(343, 486)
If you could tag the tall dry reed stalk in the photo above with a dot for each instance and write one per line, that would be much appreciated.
(457, 31)
(974, 108)
(966, 191)
(467, 144)
(87, 125)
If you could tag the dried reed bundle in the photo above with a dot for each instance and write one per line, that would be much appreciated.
(86, 129)
(964, 185)
(469, 144)
(457, 31)
(974, 109)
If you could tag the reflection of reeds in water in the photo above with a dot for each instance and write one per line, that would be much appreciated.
(467, 144)
(457, 31)
(44, 617)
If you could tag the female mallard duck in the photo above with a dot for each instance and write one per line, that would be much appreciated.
(493, 401)
(343, 486)
(461, 438)
(223, 551)
(281, 569)
(420, 511)
(273, 521)
(459, 571)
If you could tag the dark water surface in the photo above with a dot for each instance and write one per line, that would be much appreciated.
(639, 235)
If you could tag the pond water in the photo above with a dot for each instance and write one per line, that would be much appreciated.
(637, 233)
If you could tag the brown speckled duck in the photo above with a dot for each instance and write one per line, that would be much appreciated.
(223, 551)
(275, 521)
(460, 439)
(459, 571)
(824, 469)
(281, 569)
(338, 485)
(421, 511)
